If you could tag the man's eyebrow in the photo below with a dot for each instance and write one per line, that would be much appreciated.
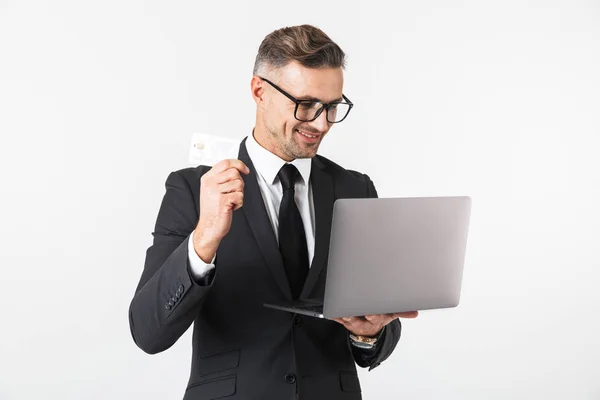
(315, 99)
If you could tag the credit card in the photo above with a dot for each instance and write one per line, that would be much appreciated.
(208, 149)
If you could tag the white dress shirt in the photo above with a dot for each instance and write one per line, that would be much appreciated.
(267, 166)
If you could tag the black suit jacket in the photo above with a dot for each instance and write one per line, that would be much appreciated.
(242, 350)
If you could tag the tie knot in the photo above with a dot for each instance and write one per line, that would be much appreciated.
(288, 175)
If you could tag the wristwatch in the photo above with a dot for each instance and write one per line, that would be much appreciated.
(363, 342)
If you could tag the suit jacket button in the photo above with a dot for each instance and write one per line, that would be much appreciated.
(290, 378)
(168, 306)
(297, 321)
(180, 289)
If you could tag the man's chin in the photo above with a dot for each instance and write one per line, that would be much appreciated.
(305, 150)
(309, 151)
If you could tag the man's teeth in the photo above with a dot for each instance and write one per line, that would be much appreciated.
(305, 134)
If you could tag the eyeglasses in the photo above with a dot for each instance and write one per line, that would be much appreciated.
(309, 110)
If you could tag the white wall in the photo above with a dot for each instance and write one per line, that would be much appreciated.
(496, 100)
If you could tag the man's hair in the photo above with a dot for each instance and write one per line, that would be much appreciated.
(306, 44)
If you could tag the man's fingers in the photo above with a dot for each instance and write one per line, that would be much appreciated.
(228, 164)
(339, 321)
(355, 321)
(236, 199)
(227, 175)
(361, 322)
(236, 185)
(346, 321)
(409, 314)
(376, 319)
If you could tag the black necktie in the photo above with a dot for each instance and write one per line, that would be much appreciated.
(292, 239)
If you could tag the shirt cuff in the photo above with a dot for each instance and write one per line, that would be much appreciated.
(198, 268)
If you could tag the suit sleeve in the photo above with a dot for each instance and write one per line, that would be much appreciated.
(391, 332)
(167, 298)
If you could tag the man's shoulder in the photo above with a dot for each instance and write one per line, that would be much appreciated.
(339, 172)
(187, 177)
(347, 183)
(192, 174)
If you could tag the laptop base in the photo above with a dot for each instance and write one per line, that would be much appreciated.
(310, 307)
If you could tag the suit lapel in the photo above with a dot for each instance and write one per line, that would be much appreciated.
(260, 225)
(323, 198)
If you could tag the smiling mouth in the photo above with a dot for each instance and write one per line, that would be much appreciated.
(308, 135)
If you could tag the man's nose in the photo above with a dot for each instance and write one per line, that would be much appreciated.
(321, 123)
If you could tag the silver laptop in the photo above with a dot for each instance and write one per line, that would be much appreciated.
(392, 255)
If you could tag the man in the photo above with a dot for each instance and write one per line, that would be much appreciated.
(255, 230)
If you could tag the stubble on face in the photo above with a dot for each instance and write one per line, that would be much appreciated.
(286, 140)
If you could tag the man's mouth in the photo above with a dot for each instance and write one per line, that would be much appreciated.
(307, 135)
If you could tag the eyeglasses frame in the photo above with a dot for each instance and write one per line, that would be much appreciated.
(324, 106)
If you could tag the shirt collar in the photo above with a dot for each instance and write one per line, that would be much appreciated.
(268, 164)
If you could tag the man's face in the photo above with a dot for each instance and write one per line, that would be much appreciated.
(286, 135)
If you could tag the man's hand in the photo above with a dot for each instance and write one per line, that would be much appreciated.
(370, 325)
(222, 192)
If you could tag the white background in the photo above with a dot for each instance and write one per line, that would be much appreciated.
(496, 100)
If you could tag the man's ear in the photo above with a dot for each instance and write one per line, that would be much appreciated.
(257, 90)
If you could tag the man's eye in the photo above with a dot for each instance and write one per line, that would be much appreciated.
(307, 105)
